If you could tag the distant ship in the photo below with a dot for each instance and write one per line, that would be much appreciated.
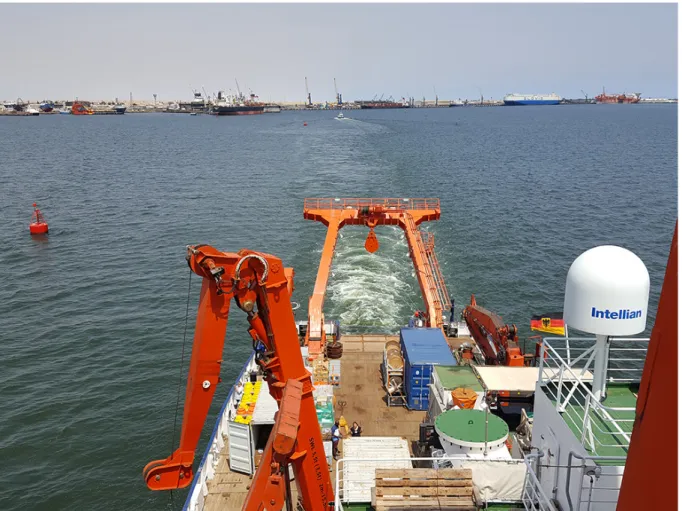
(618, 98)
(120, 108)
(47, 106)
(17, 106)
(532, 99)
(79, 109)
(236, 105)
(387, 103)
(198, 103)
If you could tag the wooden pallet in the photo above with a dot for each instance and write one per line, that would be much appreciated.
(425, 489)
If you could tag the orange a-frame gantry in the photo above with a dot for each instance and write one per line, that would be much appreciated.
(406, 213)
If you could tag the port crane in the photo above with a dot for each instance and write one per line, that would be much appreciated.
(309, 101)
(407, 214)
(499, 342)
(240, 97)
(261, 287)
(338, 96)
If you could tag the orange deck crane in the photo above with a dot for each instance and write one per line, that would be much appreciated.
(261, 287)
(499, 342)
(405, 213)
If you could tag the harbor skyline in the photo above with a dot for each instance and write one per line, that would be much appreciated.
(447, 50)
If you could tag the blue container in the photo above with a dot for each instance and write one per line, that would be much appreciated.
(422, 349)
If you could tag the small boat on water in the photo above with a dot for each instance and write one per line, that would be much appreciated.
(120, 108)
(193, 113)
(342, 117)
(32, 111)
(65, 110)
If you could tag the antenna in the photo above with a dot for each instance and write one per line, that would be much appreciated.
(607, 294)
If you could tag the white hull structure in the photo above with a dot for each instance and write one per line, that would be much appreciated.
(532, 99)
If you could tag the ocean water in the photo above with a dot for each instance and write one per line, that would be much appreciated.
(93, 316)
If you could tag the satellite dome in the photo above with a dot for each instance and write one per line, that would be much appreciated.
(607, 292)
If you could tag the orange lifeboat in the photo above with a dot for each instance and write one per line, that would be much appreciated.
(38, 223)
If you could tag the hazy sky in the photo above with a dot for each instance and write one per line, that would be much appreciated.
(106, 51)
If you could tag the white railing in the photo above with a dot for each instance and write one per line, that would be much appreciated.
(534, 497)
(209, 462)
(365, 481)
(597, 488)
(565, 379)
(626, 355)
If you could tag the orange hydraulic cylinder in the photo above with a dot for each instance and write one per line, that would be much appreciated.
(650, 477)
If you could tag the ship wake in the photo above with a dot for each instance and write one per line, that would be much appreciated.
(371, 293)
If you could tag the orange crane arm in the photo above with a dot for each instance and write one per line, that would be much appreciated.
(405, 213)
(260, 286)
(499, 342)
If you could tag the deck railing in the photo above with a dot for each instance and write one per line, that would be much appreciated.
(364, 481)
(206, 471)
(565, 378)
(534, 497)
(397, 204)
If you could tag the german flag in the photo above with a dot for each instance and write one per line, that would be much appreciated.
(552, 323)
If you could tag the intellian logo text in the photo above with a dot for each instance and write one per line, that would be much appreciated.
(621, 314)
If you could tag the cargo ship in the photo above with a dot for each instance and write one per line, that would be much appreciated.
(532, 99)
(47, 106)
(236, 105)
(80, 109)
(438, 415)
(389, 103)
(605, 98)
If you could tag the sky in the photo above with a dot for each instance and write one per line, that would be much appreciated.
(104, 51)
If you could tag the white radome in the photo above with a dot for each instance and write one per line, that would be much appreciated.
(607, 292)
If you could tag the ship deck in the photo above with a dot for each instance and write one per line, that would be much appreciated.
(360, 397)
(608, 440)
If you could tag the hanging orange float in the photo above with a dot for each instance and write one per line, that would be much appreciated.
(371, 243)
(38, 223)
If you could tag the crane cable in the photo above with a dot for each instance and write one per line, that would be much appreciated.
(182, 363)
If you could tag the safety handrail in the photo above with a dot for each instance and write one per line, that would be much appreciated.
(339, 490)
(396, 203)
(534, 497)
(576, 401)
